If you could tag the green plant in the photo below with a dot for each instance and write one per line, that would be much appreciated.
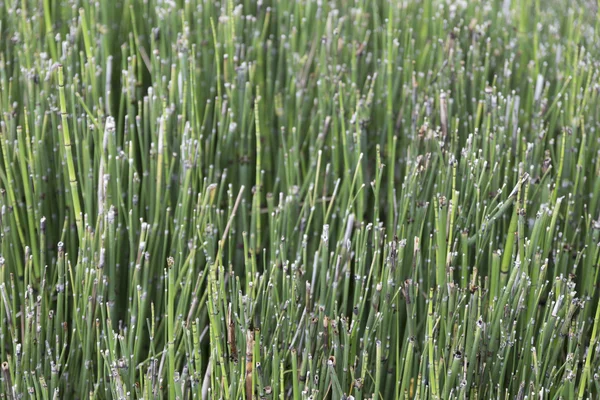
(299, 199)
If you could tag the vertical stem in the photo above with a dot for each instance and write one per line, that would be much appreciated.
(67, 149)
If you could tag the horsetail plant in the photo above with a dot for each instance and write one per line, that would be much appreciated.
(307, 200)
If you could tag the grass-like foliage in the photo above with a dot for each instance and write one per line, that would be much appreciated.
(279, 199)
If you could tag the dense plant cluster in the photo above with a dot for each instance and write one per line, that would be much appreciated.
(299, 199)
